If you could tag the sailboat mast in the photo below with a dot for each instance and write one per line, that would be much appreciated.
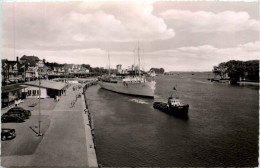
(108, 63)
(139, 61)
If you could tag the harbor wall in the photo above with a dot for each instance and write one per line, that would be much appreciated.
(89, 129)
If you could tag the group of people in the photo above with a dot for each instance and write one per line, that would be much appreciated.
(74, 101)
(75, 88)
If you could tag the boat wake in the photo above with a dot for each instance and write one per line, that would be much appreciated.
(208, 83)
(159, 98)
(140, 101)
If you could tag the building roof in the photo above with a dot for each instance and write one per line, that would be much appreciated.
(46, 84)
(67, 66)
(10, 88)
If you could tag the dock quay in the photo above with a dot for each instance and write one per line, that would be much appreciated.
(68, 133)
(89, 128)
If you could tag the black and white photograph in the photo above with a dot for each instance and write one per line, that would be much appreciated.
(129, 83)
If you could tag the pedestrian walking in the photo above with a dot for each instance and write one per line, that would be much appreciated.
(16, 103)
(72, 103)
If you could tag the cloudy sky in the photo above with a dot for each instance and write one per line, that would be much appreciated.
(178, 36)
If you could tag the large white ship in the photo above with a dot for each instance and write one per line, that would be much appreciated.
(130, 81)
(129, 85)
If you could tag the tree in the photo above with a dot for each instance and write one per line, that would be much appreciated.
(220, 70)
(223, 70)
(238, 70)
(161, 70)
(235, 70)
(157, 70)
(88, 67)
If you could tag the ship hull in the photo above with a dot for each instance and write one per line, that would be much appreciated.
(135, 89)
(178, 110)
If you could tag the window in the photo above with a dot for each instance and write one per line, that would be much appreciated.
(34, 92)
(29, 92)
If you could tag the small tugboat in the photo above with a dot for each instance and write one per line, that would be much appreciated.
(174, 106)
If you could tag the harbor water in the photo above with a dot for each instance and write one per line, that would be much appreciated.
(221, 128)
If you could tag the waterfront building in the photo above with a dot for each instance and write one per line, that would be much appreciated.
(42, 69)
(58, 70)
(68, 68)
(76, 68)
(11, 71)
(36, 68)
(83, 70)
(33, 92)
(48, 89)
(11, 93)
(31, 73)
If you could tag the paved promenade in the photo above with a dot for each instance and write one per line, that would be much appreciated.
(65, 141)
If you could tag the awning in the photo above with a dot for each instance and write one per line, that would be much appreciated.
(46, 84)
(10, 88)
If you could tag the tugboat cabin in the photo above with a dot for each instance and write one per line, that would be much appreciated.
(174, 101)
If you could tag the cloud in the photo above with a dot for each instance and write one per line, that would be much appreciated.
(252, 46)
(118, 22)
(202, 58)
(80, 32)
(202, 21)
(55, 24)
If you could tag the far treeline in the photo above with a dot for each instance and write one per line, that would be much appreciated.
(157, 70)
(238, 70)
(91, 69)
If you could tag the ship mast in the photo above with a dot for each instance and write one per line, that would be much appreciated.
(139, 61)
(108, 63)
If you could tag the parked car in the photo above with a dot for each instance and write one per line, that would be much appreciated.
(7, 133)
(15, 110)
(18, 117)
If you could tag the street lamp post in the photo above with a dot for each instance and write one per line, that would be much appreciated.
(24, 73)
(39, 120)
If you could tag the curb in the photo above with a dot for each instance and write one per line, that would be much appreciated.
(90, 145)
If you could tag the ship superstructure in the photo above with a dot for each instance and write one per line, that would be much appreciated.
(131, 81)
